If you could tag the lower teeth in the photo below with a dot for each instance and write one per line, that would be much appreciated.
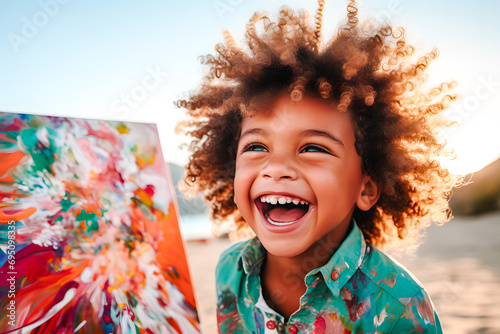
(279, 224)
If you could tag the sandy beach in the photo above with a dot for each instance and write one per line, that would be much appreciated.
(459, 264)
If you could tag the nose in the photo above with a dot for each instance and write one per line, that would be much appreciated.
(279, 168)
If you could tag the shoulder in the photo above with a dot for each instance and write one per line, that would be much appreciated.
(390, 275)
(238, 267)
(230, 288)
(229, 270)
(404, 289)
(231, 256)
(419, 314)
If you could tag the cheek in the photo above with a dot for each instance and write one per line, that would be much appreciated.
(336, 186)
(241, 185)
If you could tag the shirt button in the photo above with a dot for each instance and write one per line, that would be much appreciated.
(335, 275)
(271, 324)
(292, 329)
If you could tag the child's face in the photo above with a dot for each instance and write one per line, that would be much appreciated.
(301, 152)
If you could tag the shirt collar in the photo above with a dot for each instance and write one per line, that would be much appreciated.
(252, 256)
(336, 273)
(344, 263)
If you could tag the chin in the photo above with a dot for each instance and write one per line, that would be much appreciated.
(282, 244)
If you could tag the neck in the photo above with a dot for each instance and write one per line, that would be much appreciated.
(283, 277)
(316, 256)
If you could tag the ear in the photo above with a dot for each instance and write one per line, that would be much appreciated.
(368, 195)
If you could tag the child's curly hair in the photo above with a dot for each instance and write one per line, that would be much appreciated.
(363, 70)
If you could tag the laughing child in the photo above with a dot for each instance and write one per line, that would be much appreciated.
(328, 151)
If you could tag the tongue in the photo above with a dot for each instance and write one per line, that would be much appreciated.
(284, 215)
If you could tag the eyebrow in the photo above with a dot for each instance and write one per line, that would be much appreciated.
(305, 133)
(318, 133)
(254, 131)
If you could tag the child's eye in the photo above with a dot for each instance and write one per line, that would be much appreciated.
(314, 148)
(254, 147)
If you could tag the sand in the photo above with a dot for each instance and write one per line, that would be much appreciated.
(459, 264)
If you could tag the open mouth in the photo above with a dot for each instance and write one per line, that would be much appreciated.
(282, 210)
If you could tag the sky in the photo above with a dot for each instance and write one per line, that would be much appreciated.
(131, 60)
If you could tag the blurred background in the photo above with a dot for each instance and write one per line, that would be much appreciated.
(130, 60)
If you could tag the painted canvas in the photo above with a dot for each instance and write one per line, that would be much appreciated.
(89, 233)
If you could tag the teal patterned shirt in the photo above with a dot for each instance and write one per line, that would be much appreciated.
(360, 290)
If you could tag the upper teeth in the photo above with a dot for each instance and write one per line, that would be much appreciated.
(281, 200)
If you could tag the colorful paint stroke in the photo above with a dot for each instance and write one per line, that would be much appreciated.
(90, 240)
